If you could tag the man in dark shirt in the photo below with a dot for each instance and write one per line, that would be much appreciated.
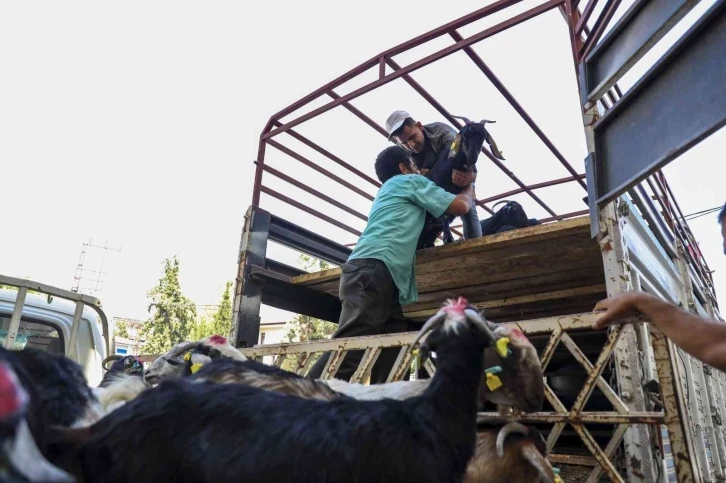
(426, 142)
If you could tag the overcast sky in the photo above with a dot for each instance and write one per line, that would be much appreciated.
(136, 123)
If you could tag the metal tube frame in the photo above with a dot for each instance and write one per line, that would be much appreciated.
(623, 343)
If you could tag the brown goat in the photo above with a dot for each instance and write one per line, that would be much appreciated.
(512, 453)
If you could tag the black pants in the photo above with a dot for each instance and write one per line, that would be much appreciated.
(370, 307)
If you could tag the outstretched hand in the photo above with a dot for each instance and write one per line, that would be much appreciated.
(616, 307)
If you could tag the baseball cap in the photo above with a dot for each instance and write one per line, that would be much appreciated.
(395, 121)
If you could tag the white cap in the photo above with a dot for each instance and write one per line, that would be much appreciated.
(395, 121)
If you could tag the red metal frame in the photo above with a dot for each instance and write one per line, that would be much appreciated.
(582, 39)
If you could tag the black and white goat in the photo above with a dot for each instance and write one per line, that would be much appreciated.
(63, 394)
(23, 423)
(461, 156)
(520, 384)
(234, 432)
(181, 360)
(122, 382)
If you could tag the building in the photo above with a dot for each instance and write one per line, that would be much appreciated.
(271, 333)
(130, 345)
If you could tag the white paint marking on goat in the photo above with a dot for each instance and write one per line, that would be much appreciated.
(27, 459)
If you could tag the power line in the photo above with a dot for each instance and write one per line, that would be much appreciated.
(698, 214)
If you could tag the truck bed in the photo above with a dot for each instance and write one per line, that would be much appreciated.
(539, 271)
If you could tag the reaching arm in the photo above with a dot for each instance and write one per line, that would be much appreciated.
(462, 203)
(704, 339)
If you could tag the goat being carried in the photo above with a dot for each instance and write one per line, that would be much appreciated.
(462, 155)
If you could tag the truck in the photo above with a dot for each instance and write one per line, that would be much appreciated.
(40, 316)
(623, 404)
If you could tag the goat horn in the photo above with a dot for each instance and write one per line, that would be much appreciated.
(499, 203)
(465, 119)
(112, 357)
(509, 428)
(484, 121)
(428, 326)
(539, 462)
(480, 322)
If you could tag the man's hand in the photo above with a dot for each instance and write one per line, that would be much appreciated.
(618, 307)
(425, 171)
(462, 179)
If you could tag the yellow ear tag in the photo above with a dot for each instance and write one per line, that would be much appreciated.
(502, 346)
(556, 471)
(195, 368)
(493, 382)
(187, 356)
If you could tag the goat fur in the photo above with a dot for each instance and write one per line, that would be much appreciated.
(234, 432)
(523, 459)
(63, 394)
(522, 381)
(22, 427)
(172, 364)
(461, 156)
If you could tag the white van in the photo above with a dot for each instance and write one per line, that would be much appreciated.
(46, 323)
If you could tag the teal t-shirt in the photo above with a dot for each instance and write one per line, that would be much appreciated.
(394, 226)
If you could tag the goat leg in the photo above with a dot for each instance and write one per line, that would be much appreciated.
(448, 237)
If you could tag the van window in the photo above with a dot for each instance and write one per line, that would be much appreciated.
(33, 334)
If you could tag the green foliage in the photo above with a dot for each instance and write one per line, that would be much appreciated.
(222, 318)
(173, 316)
(11, 287)
(303, 328)
(220, 322)
(122, 329)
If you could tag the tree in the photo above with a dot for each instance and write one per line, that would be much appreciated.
(172, 314)
(303, 328)
(220, 322)
(222, 318)
(122, 329)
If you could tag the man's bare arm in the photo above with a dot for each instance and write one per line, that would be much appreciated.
(462, 203)
(704, 339)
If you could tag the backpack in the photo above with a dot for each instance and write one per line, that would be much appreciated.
(510, 217)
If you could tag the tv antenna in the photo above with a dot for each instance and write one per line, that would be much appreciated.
(94, 281)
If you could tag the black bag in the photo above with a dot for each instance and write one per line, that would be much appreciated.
(509, 217)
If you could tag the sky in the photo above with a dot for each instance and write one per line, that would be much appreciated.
(136, 124)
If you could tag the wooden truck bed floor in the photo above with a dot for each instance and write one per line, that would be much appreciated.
(539, 271)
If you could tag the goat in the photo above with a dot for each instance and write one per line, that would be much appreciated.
(122, 366)
(234, 432)
(521, 388)
(461, 156)
(21, 425)
(521, 459)
(510, 217)
(63, 394)
(173, 364)
(123, 381)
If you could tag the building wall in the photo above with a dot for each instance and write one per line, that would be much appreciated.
(271, 333)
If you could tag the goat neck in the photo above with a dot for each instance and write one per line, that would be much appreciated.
(459, 336)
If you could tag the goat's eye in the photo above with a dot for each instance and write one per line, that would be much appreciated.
(173, 362)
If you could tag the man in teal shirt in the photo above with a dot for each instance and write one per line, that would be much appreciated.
(379, 275)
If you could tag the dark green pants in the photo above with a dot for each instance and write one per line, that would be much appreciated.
(370, 307)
